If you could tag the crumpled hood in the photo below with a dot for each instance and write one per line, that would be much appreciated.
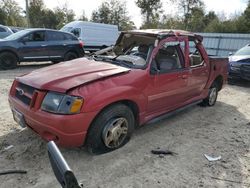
(235, 58)
(67, 75)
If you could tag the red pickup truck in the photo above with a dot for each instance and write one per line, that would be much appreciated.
(98, 101)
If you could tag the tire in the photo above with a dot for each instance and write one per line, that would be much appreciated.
(111, 129)
(8, 60)
(55, 62)
(70, 56)
(212, 96)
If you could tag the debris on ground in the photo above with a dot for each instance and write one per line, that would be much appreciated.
(163, 152)
(13, 172)
(8, 147)
(209, 158)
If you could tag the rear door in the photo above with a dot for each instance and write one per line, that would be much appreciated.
(57, 44)
(168, 85)
(199, 69)
(34, 46)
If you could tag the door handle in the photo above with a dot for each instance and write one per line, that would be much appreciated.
(43, 45)
(184, 76)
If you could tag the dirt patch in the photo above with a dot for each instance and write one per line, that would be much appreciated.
(221, 130)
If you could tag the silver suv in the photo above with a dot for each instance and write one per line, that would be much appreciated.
(5, 31)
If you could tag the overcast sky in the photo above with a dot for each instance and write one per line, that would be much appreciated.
(228, 7)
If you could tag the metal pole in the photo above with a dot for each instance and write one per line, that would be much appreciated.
(27, 12)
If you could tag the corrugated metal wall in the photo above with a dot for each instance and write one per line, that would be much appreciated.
(220, 44)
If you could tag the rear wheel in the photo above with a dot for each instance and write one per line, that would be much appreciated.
(111, 129)
(70, 56)
(8, 60)
(212, 96)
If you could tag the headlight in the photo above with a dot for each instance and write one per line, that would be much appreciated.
(61, 103)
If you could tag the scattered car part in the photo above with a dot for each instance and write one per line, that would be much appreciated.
(163, 152)
(63, 173)
(13, 172)
(209, 158)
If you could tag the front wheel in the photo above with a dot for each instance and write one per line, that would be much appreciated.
(212, 96)
(8, 60)
(111, 129)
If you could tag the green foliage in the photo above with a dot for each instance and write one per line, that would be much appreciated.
(10, 13)
(113, 12)
(151, 10)
(40, 16)
(64, 16)
(83, 17)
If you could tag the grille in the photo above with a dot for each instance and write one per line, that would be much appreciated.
(245, 69)
(24, 93)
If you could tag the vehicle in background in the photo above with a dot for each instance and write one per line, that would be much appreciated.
(5, 31)
(99, 100)
(239, 64)
(95, 36)
(38, 45)
(16, 29)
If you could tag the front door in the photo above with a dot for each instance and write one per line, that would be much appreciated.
(169, 80)
(199, 70)
(34, 46)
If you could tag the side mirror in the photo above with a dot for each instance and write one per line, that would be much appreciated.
(25, 39)
(63, 173)
(230, 53)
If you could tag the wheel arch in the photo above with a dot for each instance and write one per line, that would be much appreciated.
(71, 51)
(11, 51)
(219, 81)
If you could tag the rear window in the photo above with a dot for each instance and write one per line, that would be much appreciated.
(243, 51)
(55, 36)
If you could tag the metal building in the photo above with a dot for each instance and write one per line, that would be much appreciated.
(221, 44)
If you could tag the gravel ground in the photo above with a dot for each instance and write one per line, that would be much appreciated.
(223, 130)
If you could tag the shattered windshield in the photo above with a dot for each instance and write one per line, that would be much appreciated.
(134, 57)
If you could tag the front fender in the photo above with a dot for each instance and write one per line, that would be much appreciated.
(102, 99)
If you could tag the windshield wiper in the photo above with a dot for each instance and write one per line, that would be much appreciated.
(123, 63)
(113, 61)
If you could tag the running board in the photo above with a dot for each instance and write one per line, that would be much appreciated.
(171, 113)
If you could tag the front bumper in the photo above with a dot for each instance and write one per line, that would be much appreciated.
(242, 71)
(65, 130)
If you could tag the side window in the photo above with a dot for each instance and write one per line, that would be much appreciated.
(2, 30)
(195, 57)
(36, 36)
(55, 36)
(76, 32)
(169, 58)
(69, 37)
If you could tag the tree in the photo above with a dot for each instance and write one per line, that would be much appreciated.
(210, 17)
(40, 16)
(151, 9)
(170, 22)
(2, 16)
(196, 20)
(37, 13)
(113, 12)
(64, 15)
(10, 13)
(83, 16)
(187, 6)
